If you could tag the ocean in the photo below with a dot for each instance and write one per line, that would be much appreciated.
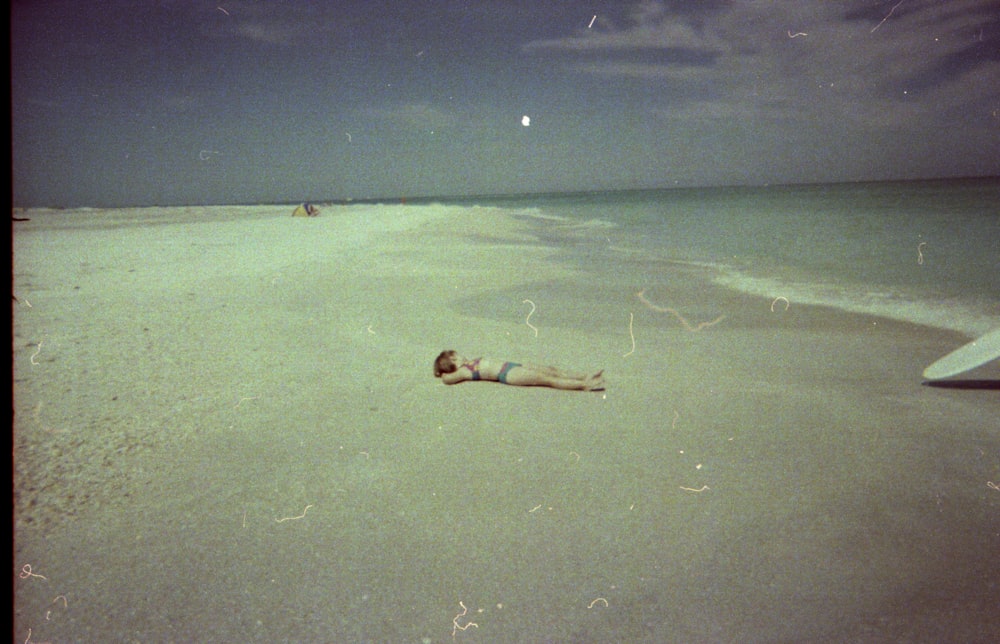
(926, 252)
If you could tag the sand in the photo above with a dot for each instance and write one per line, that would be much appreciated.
(227, 429)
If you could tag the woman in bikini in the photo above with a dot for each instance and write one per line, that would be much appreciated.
(452, 369)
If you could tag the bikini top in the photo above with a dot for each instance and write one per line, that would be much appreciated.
(473, 367)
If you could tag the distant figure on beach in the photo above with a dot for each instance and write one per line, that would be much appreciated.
(452, 369)
(305, 210)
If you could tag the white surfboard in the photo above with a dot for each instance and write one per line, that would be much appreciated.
(976, 353)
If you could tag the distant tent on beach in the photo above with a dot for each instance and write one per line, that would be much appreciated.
(305, 210)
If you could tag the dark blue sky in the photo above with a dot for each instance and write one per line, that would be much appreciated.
(243, 101)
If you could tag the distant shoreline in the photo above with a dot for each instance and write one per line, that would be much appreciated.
(499, 198)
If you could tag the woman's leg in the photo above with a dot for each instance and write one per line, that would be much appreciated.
(556, 372)
(527, 376)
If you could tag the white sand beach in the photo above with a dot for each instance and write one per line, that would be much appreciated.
(227, 429)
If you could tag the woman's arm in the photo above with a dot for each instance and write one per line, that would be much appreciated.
(455, 377)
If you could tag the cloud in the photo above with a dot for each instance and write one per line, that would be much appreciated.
(422, 116)
(651, 27)
(888, 65)
(287, 24)
(267, 32)
(647, 71)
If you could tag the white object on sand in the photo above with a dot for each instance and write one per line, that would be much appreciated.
(969, 356)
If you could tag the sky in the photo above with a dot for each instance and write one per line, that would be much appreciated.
(187, 102)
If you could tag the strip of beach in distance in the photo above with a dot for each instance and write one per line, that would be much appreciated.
(227, 429)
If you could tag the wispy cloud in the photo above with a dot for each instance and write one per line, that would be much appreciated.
(260, 22)
(802, 57)
(650, 26)
(270, 33)
(410, 115)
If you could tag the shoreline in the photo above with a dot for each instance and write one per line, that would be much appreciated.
(940, 316)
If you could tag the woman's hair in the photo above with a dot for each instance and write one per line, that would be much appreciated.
(445, 363)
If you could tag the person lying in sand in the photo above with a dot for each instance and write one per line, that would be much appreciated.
(453, 368)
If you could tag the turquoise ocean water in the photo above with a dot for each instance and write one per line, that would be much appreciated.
(927, 252)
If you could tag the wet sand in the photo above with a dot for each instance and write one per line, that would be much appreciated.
(227, 429)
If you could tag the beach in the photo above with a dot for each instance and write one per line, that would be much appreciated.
(227, 429)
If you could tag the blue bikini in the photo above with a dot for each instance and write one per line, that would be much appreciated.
(474, 368)
(507, 366)
(502, 376)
